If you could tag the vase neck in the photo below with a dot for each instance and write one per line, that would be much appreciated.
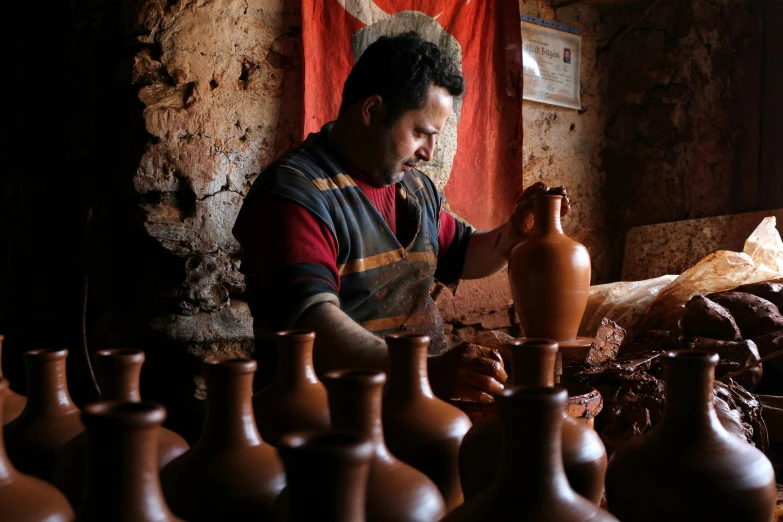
(47, 387)
(6, 468)
(408, 377)
(295, 362)
(355, 402)
(547, 215)
(229, 421)
(119, 374)
(533, 362)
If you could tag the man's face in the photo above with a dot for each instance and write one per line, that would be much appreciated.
(412, 138)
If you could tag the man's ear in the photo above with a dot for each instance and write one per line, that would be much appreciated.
(373, 111)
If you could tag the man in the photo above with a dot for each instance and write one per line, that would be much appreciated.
(344, 236)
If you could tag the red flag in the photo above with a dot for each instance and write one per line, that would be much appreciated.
(484, 177)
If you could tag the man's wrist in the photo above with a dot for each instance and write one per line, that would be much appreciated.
(509, 238)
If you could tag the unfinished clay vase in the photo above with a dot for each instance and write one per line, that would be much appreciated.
(230, 473)
(550, 276)
(49, 420)
(326, 475)
(24, 498)
(118, 373)
(295, 400)
(123, 483)
(420, 429)
(584, 455)
(531, 484)
(396, 492)
(14, 403)
(688, 467)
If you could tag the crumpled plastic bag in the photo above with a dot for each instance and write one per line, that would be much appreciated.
(659, 303)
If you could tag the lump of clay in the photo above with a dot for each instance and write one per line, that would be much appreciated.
(740, 413)
(772, 383)
(733, 356)
(772, 291)
(754, 316)
(705, 318)
(607, 342)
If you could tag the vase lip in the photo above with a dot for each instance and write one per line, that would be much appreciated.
(46, 354)
(527, 394)
(136, 414)
(299, 335)
(232, 366)
(402, 336)
(128, 355)
(362, 376)
(549, 196)
(335, 443)
(691, 357)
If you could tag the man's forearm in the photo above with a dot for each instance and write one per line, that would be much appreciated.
(340, 342)
(488, 251)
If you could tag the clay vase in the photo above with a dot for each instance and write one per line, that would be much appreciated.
(230, 473)
(549, 276)
(118, 373)
(326, 475)
(584, 455)
(420, 429)
(24, 498)
(123, 483)
(395, 491)
(49, 420)
(295, 400)
(531, 484)
(14, 403)
(688, 467)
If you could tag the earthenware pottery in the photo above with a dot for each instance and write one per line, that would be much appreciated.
(420, 429)
(14, 403)
(688, 467)
(531, 484)
(326, 475)
(395, 491)
(549, 275)
(24, 498)
(584, 455)
(295, 399)
(123, 483)
(118, 372)
(49, 419)
(230, 473)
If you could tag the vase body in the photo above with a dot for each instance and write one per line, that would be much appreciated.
(24, 498)
(49, 420)
(420, 429)
(230, 473)
(395, 491)
(688, 467)
(14, 403)
(295, 400)
(326, 475)
(530, 484)
(123, 484)
(549, 275)
(584, 455)
(118, 372)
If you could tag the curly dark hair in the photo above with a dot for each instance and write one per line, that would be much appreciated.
(400, 69)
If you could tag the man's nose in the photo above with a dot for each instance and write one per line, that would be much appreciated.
(428, 149)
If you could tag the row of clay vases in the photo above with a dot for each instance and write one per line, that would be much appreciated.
(531, 484)
(24, 498)
(584, 455)
(118, 372)
(14, 403)
(230, 473)
(688, 467)
(49, 420)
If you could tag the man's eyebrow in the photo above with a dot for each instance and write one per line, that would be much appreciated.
(428, 130)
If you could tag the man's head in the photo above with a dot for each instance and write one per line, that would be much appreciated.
(400, 92)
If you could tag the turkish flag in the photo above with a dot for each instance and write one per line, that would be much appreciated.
(482, 169)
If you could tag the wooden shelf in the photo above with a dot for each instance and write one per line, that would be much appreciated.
(564, 3)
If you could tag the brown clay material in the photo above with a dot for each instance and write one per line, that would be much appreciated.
(24, 498)
(395, 491)
(420, 429)
(49, 420)
(584, 455)
(123, 484)
(14, 403)
(531, 484)
(327, 477)
(118, 372)
(230, 473)
(550, 276)
(688, 467)
(295, 400)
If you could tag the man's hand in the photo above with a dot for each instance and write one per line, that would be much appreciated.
(468, 371)
(522, 217)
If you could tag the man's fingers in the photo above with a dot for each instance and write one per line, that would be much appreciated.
(565, 206)
(489, 368)
(480, 381)
(533, 190)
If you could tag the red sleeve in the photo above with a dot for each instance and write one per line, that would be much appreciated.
(448, 227)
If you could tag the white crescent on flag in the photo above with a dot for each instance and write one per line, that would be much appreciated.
(364, 10)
